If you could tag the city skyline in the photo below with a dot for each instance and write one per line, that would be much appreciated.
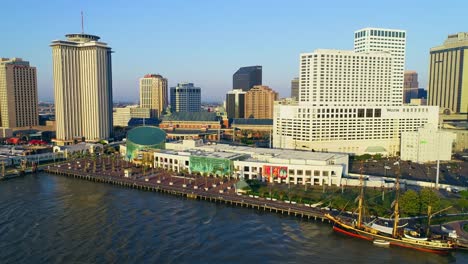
(138, 52)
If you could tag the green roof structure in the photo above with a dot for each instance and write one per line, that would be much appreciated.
(144, 137)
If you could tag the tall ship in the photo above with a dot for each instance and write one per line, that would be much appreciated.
(387, 236)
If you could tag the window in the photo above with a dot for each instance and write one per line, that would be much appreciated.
(360, 112)
(378, 113)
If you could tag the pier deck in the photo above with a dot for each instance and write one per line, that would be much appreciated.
(218, 190)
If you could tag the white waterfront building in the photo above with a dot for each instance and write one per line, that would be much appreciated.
(296, 167)
(428, 144)
(351, 101)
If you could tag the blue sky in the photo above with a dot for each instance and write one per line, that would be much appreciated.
(205, 41)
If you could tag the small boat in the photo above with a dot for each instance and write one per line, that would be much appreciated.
(381, 243)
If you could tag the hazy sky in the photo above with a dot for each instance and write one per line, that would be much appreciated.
(206, 41)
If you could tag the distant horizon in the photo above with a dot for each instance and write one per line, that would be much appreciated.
(206, 43)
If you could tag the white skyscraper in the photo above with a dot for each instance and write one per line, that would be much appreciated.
(349, 101)
(389, 40)
(340, 77)
(82, 88)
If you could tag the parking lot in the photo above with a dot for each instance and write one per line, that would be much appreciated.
(453, 172)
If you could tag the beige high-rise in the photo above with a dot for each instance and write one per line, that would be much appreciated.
(259, 102)
(83, 88)
(18, 93)
(153, 93)
(448, 74)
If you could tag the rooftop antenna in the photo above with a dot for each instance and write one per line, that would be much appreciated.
(82, 23)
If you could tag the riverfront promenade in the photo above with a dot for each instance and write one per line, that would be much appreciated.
(112, 170)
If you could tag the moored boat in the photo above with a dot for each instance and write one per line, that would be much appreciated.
(387, 236)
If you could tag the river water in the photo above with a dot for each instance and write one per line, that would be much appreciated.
(52, 219)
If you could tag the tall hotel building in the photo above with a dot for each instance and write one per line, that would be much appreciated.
(351, 101)
(185, 97)
(392, 41)
(83, 88)
(448, 74)
(18, 94)
(259, 102)
(153, 93)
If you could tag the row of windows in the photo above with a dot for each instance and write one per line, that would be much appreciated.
(381, 33)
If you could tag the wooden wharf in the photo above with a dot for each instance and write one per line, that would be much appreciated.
(215, 190)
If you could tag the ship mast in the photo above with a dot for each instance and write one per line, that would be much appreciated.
(361, 197)
(396, 212)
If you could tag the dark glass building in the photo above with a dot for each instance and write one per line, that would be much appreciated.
(235, 104)
(247, 77)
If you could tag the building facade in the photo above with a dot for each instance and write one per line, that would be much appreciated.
(153, 94)
(350, 101)
(185, 97)
(247, 77)
(18, 94)
(122, 115)
(295, 88)
(428, 144)
(448, 74)
(259, 102)
(82, 88)
(410, 86)
(348, 129)
(282, 166)
(392, 41)
(235, 103)
(192, 125)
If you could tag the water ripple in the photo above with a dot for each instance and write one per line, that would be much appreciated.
(51, 219)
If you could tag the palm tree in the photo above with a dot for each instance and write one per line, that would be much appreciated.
(206, 179)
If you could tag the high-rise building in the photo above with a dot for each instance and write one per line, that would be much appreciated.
(82, 88)
(411, 80)
(295, 88)
(448, 74)
(388, 40)
(349, 101)
(185, 97)
(347, 78)
(235, 103)
(247, 77)
(259, 102)
(18, 94)
(410, 86)
(153, 93)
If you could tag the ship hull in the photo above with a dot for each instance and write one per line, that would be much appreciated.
(353, 232)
